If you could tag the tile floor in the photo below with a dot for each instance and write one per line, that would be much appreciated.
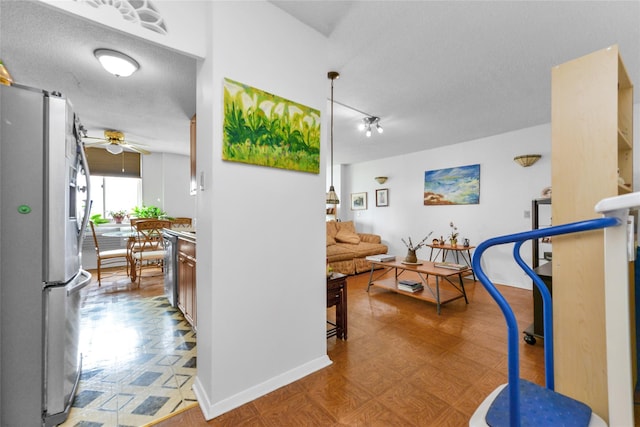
(138, 355)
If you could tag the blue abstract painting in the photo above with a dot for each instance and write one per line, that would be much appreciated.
(452, 186)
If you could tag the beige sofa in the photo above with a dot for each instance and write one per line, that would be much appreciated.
(347, 249)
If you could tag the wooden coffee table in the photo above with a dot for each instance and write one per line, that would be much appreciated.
(422, 269)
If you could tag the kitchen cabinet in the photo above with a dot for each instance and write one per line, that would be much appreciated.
(187, 280)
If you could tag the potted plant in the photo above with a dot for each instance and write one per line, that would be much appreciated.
(97, 219)
(453, 237)
(118, 216)
(148, 212)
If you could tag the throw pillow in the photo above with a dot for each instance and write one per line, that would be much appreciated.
(330, 240)
(332, 228)
(347, 226)
(346, 236)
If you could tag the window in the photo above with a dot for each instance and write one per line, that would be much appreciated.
(114, 193)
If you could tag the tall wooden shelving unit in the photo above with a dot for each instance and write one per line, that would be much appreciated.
(592, 139)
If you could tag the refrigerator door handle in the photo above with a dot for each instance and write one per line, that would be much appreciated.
(87, 205)
(80, 283)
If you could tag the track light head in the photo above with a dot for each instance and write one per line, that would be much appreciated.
(369, 121)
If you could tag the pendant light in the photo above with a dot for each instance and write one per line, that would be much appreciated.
(332, 197)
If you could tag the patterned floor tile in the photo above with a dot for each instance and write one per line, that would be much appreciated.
(138, 356)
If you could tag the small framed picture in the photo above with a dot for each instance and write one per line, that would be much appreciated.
(382, 197)
(358, 201)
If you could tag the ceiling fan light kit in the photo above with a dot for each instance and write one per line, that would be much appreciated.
(116, 63)
(114, 148)
(115, 143)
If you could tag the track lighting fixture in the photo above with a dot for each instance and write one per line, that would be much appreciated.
(369, 121)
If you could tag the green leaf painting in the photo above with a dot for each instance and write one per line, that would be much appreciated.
(264, 129)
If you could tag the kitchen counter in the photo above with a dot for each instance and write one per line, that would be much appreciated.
(186, 233)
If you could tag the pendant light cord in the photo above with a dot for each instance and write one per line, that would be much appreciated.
(332, 132)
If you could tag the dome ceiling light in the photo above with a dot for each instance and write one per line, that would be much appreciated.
(116, 63)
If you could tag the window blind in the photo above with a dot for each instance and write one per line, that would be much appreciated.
(103, 163)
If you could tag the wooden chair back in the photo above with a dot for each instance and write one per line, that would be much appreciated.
(109, 256)
(181, 222)
(95, 238)
(150, 234)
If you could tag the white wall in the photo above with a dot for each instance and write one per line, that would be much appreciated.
(506, 191)
(261, 238)
(165, 183)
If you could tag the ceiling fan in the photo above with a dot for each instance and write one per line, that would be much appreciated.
(115, 143)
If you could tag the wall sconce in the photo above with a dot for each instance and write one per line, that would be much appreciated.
(369, 121)
(527, 160)
(381, 179)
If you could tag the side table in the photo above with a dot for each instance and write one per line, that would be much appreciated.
(458, 251)
(337, 296)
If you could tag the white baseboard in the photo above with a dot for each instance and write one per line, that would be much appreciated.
(214, 409)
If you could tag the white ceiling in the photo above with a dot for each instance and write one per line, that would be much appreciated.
(49, 49)
(443, 72)
(436, 72)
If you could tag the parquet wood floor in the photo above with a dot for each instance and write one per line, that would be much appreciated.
(402, 365)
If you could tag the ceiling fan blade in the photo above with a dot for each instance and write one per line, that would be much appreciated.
(136, 149)
(135, 143)
(93, 143)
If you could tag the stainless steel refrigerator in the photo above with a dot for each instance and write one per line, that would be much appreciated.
(44, 208)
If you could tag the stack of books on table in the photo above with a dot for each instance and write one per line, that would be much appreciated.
(450, 265)
(381, 258)
(409, 286)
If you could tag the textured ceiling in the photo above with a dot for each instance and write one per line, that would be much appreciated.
(49, 49)
(443, 72)
(436, 72)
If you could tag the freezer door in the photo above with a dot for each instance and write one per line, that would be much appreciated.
(62, 358)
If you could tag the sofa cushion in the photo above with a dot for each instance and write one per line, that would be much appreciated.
(346, 236)
(370, 238)
(332, 228)
(346, 225)
(362, 249)
(330, 240)
(340, 253)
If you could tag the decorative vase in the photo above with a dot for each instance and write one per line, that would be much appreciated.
(454, 243)
(118, 219)
(465, 243)
(411, 256)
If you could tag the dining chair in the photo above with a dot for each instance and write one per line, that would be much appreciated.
(148, 249)
(181, 222)
(111, 256)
